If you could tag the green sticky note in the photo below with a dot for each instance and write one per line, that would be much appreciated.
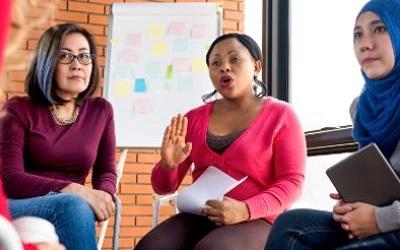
(169, 73)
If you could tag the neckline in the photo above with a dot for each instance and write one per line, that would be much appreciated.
(239, 138)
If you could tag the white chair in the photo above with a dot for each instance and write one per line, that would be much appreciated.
(118, 207)
(158, 201)
(9, 238)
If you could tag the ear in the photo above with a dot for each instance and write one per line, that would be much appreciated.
(257, 67)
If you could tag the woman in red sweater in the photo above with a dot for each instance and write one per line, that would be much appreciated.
(243, 133)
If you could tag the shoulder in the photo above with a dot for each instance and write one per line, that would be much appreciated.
(199, 111)
(353, 108)
(22, 106)
(279, 107)
(98, 104)
(19, 102)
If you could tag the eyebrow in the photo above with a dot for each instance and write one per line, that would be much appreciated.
(70, 50)
(229, 52)
(372, 23)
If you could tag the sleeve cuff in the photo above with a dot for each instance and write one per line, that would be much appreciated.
(388, 217)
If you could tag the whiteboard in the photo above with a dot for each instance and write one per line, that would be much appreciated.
(156, 65)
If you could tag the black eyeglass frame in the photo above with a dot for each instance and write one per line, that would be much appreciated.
(77, 57)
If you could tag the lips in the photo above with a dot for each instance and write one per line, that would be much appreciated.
(368, 60)
(75, 77)
(225, 81)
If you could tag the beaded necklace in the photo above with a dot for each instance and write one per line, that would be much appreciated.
(55, 113)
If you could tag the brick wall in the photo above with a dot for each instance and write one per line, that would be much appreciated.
(135, 190)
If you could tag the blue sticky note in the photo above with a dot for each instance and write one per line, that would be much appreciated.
(123, 72)
(180, 44)
(140, 85)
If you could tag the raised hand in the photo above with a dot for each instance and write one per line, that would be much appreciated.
(226, 212)
(101, 202)
(174, 149)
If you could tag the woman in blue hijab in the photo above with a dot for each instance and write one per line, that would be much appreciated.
(376, 116)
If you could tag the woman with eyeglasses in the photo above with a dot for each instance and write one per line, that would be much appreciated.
(52, 138)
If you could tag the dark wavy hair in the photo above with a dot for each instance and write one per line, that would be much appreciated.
(41, 82)
(260, 89)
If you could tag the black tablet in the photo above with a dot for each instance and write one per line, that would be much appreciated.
(365, 176)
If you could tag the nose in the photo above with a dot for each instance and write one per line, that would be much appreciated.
(75, 64)
(225, 67)
(366, 43)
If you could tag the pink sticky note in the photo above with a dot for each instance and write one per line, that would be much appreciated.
(127, 56)
(176, 28)
(199, 31)
(182, 64)
(134, 40)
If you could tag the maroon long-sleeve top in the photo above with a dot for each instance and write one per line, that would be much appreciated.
(38, 156)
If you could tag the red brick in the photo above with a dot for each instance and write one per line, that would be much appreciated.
(143, 179)
(148, 158)
(16, 75)
(190, 1)
(104, 1)
(230, 5)
(34, 34)
(100, 40)
(144, 221)
(229, 24)
(101, 60)
(235, 15)
(137, 210)
(60, 4)
(32, 44)
(86, 7)
(241, 26)
(138, 168)
(128, 178)
(15, 87)
(94, 29)
(127, 199)
(241, 6)
(137, 189)
(98, 19)
(144, 199)
(71, 16)
(131, 157)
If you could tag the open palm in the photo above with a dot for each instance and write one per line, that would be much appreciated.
(174, 149)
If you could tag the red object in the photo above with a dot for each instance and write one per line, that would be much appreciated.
(5, 15)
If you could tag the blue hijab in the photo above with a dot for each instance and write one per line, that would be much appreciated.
(378, 109)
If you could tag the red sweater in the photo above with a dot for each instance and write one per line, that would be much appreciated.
(4, 212)
(271, 152)
(5, 13)
(39, 156)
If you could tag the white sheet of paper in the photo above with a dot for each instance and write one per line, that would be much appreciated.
(212, 184)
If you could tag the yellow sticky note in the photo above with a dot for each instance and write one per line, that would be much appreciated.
(114, 41)
(199, 65)
(155, 31)
(159, 49)
(122, 88)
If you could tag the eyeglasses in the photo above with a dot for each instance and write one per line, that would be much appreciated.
(83, 58)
